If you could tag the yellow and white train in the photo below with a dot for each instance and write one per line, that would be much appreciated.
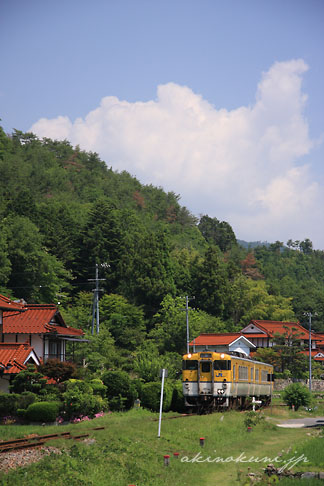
(213, 380)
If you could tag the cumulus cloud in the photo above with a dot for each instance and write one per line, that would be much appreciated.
(240, 165)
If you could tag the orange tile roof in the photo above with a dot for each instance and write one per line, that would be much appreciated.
(38, 319)
(216, 339)
(7, 304)
(271, 327)
(319, 339)
(14, 354)
(314, 352)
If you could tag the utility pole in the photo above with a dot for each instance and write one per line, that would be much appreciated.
(95, 305)
(187, 320)
(310, 315)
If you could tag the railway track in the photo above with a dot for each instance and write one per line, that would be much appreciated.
(39, 440)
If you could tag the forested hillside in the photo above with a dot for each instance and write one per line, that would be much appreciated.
(62, 210)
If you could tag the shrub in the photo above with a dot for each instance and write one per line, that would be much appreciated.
(297, 395)
(58, 370)
(8, 404)
(118, 384)
(151, 396)
(252, 418)
(78, 385)
(42, 412)
(178, 402)
(25, 399)
(28, 380)
(98, 387)
(77, 403)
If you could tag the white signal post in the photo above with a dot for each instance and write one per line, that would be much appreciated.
(164, 375)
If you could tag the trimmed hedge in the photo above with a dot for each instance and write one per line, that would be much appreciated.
(42, 411)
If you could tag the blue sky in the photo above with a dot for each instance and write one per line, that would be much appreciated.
(221, 102)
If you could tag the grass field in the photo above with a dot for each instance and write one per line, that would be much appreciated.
(128, 451)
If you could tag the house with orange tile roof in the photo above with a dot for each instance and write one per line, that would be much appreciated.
(262, 334)
(42, 325)
(223, 343)
(14, 357)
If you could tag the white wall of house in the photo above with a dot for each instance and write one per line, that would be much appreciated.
(251, 328)
(37, 344)
(241, 347)
(36, 341)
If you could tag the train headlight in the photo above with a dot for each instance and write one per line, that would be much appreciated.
(189, 355)
(222, 355)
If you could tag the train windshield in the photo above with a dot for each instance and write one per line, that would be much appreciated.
(191, 365)
(222, 364)
(205, 366)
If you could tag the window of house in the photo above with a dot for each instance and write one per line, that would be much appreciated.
(54, 348)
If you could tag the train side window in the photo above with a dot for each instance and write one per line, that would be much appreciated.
(234, 370)
(205, 367)
(191, 365)
(270, 377)
(264, 375)
(243, 373)
(256, 375)
(221, 364)
(251, 374)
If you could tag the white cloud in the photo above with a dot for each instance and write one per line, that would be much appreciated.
(238, 165)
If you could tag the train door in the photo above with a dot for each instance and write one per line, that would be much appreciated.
(234, 386)
(205, 379)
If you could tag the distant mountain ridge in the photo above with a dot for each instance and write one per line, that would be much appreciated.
(253, 244)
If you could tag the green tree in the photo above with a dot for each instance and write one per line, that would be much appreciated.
(289, 349)
(216, 232)
(35, 274)
(259, 304)
(147, 269)
(101, 243)
(169, 332)
(211, 282)
(125, 321)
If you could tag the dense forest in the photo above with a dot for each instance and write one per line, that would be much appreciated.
(63, 210)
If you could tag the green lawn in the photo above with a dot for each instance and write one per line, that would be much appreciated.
(128, 451)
